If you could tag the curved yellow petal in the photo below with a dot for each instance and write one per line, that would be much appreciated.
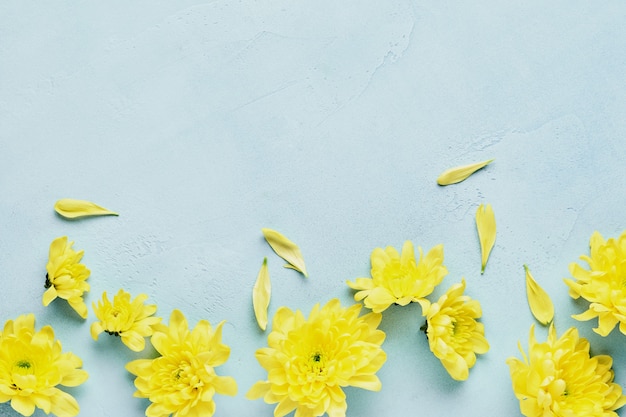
(261, 295)
(286, 249)
(486, 225)
(70, 208)
(538, 300)
(460, 173)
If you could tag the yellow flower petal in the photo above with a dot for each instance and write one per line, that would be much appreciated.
(261, 295)
(70, 208)
(458, 174)
(538, 300)
(286, 249)
(486, 225)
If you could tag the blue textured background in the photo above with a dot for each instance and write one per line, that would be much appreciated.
(202, 122)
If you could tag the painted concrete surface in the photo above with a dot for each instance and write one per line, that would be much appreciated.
(203, 122)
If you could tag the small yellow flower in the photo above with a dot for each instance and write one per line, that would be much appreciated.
(603, 283)
(182, 381)
(32, 365)
(399, 279)
(560, 378)
(308, 361)
(454, 335)
(132, 320)
(66, 276)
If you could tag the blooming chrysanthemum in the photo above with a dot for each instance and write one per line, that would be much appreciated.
(132, 320)
(32, 365)
(399, 278)
(66, 276)
(604, 284)
(182, 381)
(308, 361)
(560, 378)
(454, 335)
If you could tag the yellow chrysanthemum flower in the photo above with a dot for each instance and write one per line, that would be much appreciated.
(559, 378)
(66, 276)
(308, 361)
(132, 320)
(399, 279)
(182, 381)
(604, 284)
(454, 335)
(32, 365)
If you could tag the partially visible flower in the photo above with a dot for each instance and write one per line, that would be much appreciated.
(603, 284)
(308, 361)
(32, 365)
(454, 335)
(182, 381)
(560, 378)
(486, 227)
(66, 276)
(132, 320)
(398, 278)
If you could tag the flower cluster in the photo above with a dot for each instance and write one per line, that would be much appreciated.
(32, 364)
(182, 380)
(603, 284)
(454, 334)
(559, 377)
(308, 361)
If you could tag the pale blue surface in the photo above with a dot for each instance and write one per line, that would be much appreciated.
(201, 123)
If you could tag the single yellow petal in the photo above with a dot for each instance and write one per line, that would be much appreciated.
(538, 300)
(458, 174)
(261, 295)
(70, 208)
(286, 249)
(486, 225)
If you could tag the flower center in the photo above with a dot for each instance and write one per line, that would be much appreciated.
(23, 364)
(317, 364)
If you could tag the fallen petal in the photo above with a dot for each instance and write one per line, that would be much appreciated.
(70, 208)
(286, 249)
(486, 225)
(458, 174)
(261, 295)
(538, 300)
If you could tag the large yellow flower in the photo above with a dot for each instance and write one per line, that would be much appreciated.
(182, 381)
(132, 320)
(66, 276)
(399, 279)
(454, 335)
(604, 284)
(309, 361)
(32, 365)
(560, 378)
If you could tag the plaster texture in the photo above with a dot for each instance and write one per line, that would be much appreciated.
(203, 122)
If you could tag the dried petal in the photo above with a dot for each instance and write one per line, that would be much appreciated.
(70, 208)
(538, 300)
(286, 249)
(458, 174)
(486, 225)
(261, 295)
